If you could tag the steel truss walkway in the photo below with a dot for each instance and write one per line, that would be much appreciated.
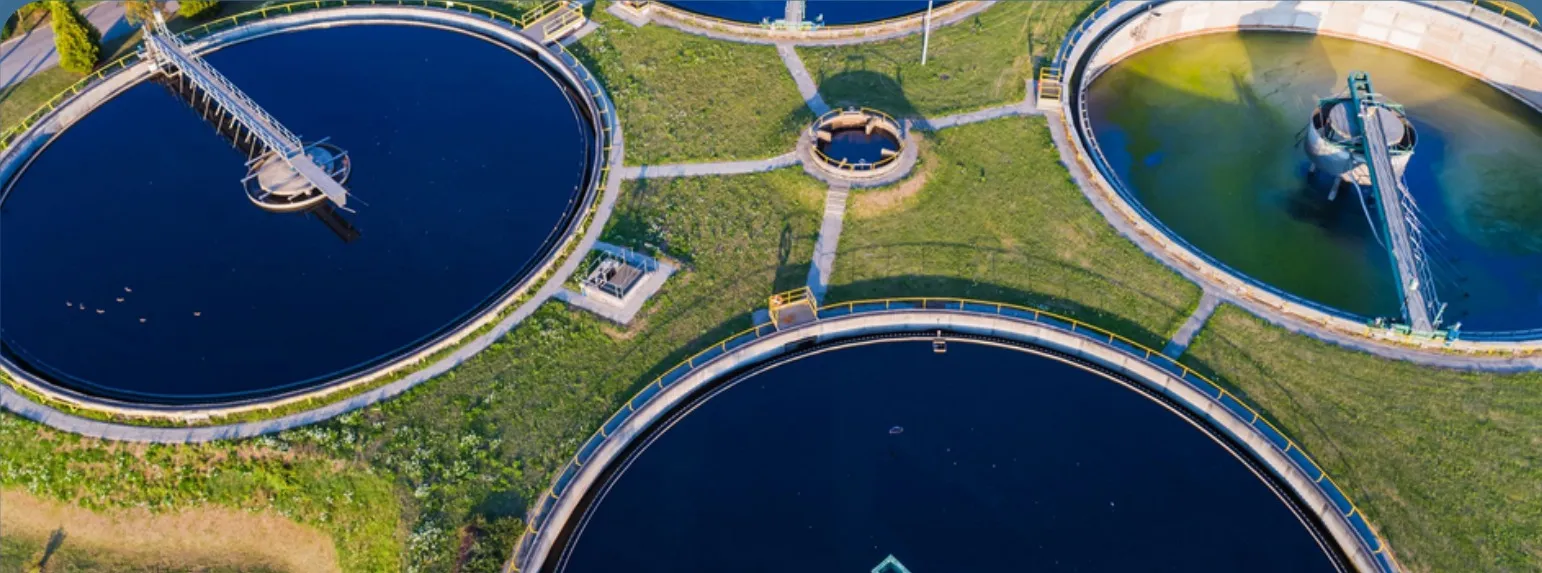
(1410, 264)
(168, 53)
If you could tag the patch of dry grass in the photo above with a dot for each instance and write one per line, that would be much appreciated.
(187, 540)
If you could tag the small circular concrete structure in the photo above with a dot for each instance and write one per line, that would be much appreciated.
(276, 186)
(856, 143)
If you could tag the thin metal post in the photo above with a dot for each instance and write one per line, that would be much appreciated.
(926, 32)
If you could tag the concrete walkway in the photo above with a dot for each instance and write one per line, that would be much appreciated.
(1058, 132)
(28, 54)
(705, 169)
(1025, 107)
(829, 238)
(1180, 342)
(11, 400)
(806, 86)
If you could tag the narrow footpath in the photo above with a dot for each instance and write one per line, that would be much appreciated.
(829, 238)
(806, 86)
(1180, 342)
(702, 169)
(1022, 108)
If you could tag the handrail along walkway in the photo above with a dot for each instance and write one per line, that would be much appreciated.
(536, 520)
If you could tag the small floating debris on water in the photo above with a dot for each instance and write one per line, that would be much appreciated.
(127, 289)
(897, 430)
(196, 313)
(82, 306)
(100, 311)
(68, 303)
(120, 299)
(141, 321)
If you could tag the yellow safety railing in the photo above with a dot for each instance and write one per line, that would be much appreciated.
(101, 73)
(1215, 391)
(542, 11)
(1510, 10)
(842, 163)
(1049, 83)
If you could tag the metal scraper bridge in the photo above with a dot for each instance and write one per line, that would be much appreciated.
(289, 174)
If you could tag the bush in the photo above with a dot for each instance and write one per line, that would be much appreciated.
(77, 41)
(196, 8)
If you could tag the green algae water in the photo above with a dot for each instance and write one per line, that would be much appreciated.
(1205, 132)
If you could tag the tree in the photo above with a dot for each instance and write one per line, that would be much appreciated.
(142, 11)
(195, 8)
(78, 42)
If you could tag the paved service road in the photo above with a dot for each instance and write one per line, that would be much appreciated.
(24, 56)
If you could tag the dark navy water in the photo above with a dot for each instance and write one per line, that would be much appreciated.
(1203, 130)
(465, 158)
(835, 12)
(858, 146)
(1007, 462)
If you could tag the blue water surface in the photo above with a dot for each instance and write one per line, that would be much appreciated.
(1002, 461)
(465, 158)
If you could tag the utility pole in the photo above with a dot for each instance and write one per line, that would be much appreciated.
(926, 33)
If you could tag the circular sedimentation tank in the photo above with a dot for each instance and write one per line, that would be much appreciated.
(981, 457)
(828, 12)
(1207, 132)
(136, 267)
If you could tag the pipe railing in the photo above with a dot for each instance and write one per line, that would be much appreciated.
(536, 520)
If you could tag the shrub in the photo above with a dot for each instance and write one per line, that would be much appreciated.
(196, 8)
(77, 41)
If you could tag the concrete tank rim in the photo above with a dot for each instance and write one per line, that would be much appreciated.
(553, 539)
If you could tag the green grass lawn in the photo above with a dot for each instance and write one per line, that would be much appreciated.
(980, 62)
(20, 100)
(1446, 464)
(469, 450)
(685, 98)
(999, 219)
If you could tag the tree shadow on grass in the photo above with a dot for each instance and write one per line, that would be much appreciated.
(55, 541)
(982, 287)
(864, 83)
(955, 287)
